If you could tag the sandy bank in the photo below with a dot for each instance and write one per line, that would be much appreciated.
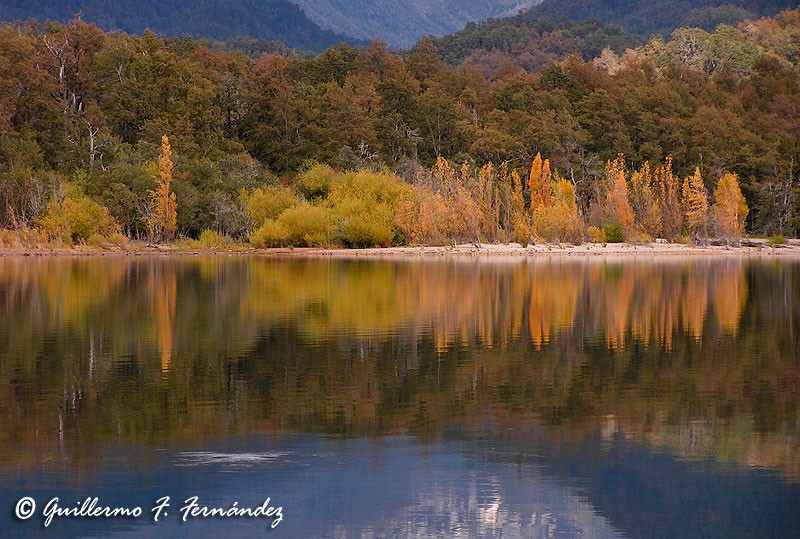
(755, 248)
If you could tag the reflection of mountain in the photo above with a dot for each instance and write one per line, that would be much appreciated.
(537, 483)
(698, 355)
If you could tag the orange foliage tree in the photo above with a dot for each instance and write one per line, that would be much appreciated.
(616, 207)
(644, 204)
(666, 187)
(730, 208)
(162, 213)
(539, 182)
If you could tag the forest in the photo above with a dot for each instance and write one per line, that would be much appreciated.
(645, 17)
(108, 137)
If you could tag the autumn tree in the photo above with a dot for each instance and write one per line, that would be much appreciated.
(539, 182)
(666, 187)
(695, 203)
(643, 202)
(161, 218)
(516, 220)
(616, 208)
(559, 221)
(484, 191)
(730, 208)
(465, 218)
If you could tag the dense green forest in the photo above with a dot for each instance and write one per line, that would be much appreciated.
(645, 17)
(272, 20)
(362, 146)
(532, 44)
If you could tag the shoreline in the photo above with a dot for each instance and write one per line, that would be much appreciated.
(760, 250)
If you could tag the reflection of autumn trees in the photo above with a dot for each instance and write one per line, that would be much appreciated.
(164, 288)
(153, 349)
(729, 290)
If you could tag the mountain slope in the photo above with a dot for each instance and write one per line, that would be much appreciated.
(531, 44)
(645, 17)
(401, 24)
(278, 20)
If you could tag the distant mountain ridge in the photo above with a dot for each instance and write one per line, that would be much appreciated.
(278, 20)
(402, 23)
(314, 25)
(646, 17)
(531, 44)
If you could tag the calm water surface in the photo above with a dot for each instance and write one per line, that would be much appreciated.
(547, 397)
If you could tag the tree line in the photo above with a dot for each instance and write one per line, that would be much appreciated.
(365, 146)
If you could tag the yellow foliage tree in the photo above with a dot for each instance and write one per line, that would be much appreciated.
(730, 208)
(517, 220)
(485, 194)
(695, 203)
(560, 221)
(162, 214)
(539, 182)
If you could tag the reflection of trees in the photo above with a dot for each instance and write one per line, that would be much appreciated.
(164, 288)
(353, 347)
(729, 290)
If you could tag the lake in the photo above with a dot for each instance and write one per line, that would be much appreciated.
(421, 397)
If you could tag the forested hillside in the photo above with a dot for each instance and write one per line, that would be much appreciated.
(274, 20)
(531, 44)
(401, 24)
(646, 17)
(361, 146)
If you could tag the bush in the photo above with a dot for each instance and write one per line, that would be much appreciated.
(24, 238)
(307, 225)
(76, 218)
(268, 203)
(316, 182)
(363, 225)
(117, 239)
(211, 239)
(375, 187)
(270, 234)
(365, 205)
(613, 233)
(86, 217)
(777, 239)
(6, 238)
(596, 235)
(96, 240)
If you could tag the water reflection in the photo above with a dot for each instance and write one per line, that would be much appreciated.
(698, 356)
(534, 483)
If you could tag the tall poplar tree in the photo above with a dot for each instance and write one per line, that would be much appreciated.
(695, 203)
(730, 208)
(162, 213)
(539, 183)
